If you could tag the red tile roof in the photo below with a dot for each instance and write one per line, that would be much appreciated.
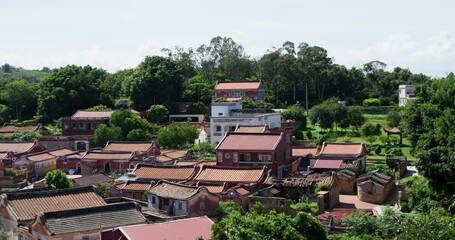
(8, 128)
(16, 147)
(189, 228)
(216, 189)
(328, 164)
(250, 141)
(134, 186)
(92, 114)
(174, 154)
(172, 173)
(61, 152)
(230, 174)
(95, 114)
(304, 151)
(106, 155)
(251, 129)
(128, 146)
(24, 205)
(342, 149)
(36, 157)
(92, 179)
(243, 85)
(172, 190)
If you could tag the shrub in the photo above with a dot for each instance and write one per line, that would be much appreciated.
(395, 152)
(371, 130)
(371, 102)
(309, 134)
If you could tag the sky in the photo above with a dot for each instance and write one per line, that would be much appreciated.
(114, 34)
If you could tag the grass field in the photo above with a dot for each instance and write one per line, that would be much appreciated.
(355, 136)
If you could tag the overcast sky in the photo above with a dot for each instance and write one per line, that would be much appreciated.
(115, 34)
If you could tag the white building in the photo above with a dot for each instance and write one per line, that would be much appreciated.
(226, 116)
(405, 93)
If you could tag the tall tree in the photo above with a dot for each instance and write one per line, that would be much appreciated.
(157, 80)
(18, 94)
(314, 66)
(67, 89)
(429, 121)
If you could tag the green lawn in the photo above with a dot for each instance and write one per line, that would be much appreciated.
(354, 136)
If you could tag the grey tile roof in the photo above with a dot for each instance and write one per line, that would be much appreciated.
(88, 219)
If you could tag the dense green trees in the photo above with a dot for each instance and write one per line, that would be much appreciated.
(429, 122)
(158, 113)
(157, 80)
(176, 136)
(18, 94)
(67, 89)
(396, 225)
(57, 179)
(256, 224)
(105, 133)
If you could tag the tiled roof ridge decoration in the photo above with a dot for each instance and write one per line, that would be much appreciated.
(26, 194)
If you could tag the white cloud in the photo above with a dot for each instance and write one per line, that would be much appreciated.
(434, 55)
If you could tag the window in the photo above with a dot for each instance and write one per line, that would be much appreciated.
(247, 157)
(81, 126)
(264, 158)
(235, 157)
(220, 114)
(236, 94)
(218, 128)
(180, 205)
(153, 200)
(66, 126)
(220, 157)
(232, 128)
(74, 126)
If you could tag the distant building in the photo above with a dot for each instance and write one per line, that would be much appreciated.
(8, 130)
(405, 94)
(20, 207)
(236, 90)
(272, 150)
(374, 187)
(83, 223)
(226, 116)
(85, 122)
(188, 228)
(182, 200)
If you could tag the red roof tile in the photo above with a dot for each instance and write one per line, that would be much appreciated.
(16, 147)
(250, 141)
(24, 205)
(7, 128)
(342, 149)
(172, 173)
(92, 114)
(244, 85)
(304, 151)
(251, 129)
(189, 228)
(230, 174)
(61, 152)
(128, 146)
(328, 164)
(101, 155)
(92, 179)
(40, 157)
(134, 186)
(174, 154)
(172, 190)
